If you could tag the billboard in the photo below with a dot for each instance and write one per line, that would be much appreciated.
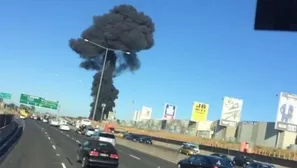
(286, 119)
(146, 113)
(136, 116)
(199, 111)
(111, 115)
(231, 112)
(169, 111)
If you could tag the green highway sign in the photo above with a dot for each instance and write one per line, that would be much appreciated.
(38, 101)
(49, 104)
(5, 95)
(29, 99)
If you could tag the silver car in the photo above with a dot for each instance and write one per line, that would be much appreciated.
(89, 131)
(105, 137)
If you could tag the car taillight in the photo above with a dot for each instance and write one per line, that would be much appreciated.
(114, 156)
(93, 153)
(214, 167)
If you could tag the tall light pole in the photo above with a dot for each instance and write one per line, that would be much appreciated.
(102, 73)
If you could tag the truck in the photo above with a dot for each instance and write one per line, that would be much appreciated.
(109, 127)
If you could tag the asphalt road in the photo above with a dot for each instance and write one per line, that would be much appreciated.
(45, 146)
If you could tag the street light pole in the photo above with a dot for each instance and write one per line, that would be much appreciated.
(100, 83)
(102, 73)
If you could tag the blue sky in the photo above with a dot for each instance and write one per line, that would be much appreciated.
(204, 50)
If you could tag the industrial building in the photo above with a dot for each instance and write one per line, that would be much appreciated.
(255, 133)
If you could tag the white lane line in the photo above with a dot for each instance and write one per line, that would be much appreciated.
(77, 141)
(63, 165)
(54, 146)
(49, 138)
(135, 157)
(58, 154)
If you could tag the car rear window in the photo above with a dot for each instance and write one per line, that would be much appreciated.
(220, 162)
(107, 135)
(91, 129)
(248, 158)
(101, 144)
(96, 133)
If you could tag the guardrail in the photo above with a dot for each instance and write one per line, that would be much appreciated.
(261, 158)
(10, 133)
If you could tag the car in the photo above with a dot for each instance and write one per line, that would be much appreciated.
(89, 131)
(62, 122)
(224, 157)
(144, 139)
(54, 123)
(105, 137)
(45, 120)
(260, 165)
(80, 130)
(204, 161)
(64, 127)
(189, 149)
(130, 137)
(98, 154)
(22, 117)
(85, 122)
(242, 160)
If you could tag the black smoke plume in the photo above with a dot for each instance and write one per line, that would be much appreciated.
(124, 29)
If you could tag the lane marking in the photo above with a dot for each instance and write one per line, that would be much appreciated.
(54, 147)
(63, 165)
(49, 138)
(58, 154)
(135, 157)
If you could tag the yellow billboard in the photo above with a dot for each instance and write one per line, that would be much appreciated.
(199, 111)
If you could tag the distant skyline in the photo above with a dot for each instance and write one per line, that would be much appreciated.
(204, 50)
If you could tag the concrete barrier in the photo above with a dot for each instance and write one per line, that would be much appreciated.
(171, 156)
(9, 134)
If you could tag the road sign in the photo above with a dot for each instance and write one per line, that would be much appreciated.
(5, 95)
(38, 101)
(29, 99)
(49, 104)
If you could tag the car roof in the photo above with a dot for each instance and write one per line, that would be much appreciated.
(219, 154)
(213, 156)
(95, 141)
(106, 133)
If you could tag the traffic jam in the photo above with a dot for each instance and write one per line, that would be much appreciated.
(100, 147)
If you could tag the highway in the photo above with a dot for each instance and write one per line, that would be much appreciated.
(45, 146)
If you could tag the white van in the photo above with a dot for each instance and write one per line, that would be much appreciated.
(85, 122)
(63, 122)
